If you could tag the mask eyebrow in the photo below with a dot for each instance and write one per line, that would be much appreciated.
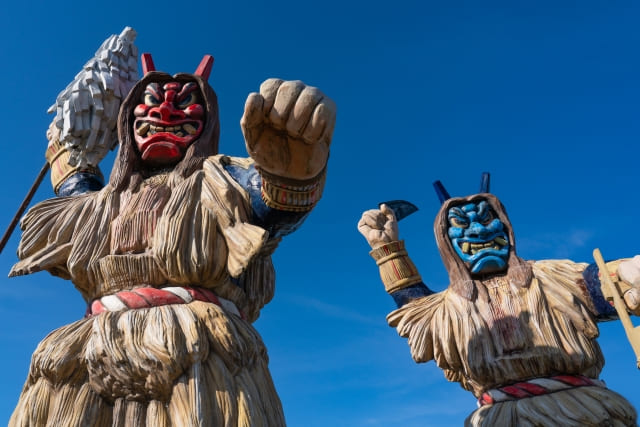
(186, 90)
(483, 209)
(154, 90)
(457, 212)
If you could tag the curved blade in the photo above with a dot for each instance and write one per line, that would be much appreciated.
(401, 208)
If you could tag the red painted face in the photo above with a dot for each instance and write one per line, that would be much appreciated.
(168, 121)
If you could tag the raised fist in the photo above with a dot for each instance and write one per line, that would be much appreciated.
(629, 271)
(379, 226)
(287, 129)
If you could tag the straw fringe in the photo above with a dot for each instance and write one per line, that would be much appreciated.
(66, 405)
(35, 414)
(583, 406)
(189, 364)
(223, 381)
(157, 415)
(57, 356)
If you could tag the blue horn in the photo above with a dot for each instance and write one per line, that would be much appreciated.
(484, 182)
(442, 193)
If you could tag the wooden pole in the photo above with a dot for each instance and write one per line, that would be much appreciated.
(23, 206)
(633, 333)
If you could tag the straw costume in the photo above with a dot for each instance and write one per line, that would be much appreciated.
(520, 335)
(173, 257)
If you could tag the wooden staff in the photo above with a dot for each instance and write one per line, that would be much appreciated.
(633, 333)
(23, 206)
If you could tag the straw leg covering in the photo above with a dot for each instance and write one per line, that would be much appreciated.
(582, 406)
(175, 365)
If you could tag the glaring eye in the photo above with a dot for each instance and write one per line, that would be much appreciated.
(487, 218)
(151, 100)
(188, 100)
(457, 222)
(188, 96)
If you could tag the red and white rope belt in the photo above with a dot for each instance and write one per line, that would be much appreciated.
(153, 297)
(536, 387)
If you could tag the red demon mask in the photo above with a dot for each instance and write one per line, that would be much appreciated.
(170, 118)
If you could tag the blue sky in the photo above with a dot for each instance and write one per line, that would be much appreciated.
(545, 97)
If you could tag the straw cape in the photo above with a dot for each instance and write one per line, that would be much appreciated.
(196, 363)
(513, 335)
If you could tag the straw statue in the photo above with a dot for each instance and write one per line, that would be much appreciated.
(173, 254)
(520, 335)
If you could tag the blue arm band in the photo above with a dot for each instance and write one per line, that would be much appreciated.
(80, 183)
(604, 310)
(278, 223)
(405, 295)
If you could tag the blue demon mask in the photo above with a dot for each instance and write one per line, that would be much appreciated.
(478, 237)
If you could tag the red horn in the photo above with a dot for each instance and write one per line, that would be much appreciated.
(147, 63)
(204, 69)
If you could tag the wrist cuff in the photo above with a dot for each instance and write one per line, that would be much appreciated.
(58, 157)
(397, 271)
(291, 195)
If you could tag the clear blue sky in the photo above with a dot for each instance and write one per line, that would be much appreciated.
(547, 98)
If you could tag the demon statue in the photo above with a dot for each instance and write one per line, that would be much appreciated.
(172, 256)
(520, 335)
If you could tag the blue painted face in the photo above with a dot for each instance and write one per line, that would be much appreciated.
(478, 237)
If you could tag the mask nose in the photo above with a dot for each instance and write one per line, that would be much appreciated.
(166, 111)
(476, 230)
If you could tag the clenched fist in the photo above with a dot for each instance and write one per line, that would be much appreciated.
(379, 226)
(287, 128)
(629, 271)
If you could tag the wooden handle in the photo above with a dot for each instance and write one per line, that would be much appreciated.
(633, 333)
(23, 206)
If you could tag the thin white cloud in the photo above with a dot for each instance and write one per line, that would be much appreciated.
(340, 312)
(434, 409)
(554, 244)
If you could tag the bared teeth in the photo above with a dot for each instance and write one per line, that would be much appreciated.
(142, 130)
(148, 128)
(480, 245)
(474, 248)
(190, 129)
